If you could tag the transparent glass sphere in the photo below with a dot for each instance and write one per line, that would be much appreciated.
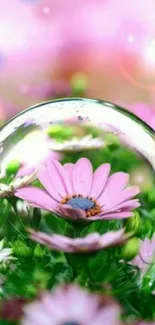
(69, 129)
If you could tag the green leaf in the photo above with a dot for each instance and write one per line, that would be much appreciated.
(20, 248)
(55, 224)
(61, 273)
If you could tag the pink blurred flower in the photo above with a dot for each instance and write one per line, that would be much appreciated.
(49, 89)
(61, 40)
(71, 305)
(30, 53)
(146, 254)
(90, 243)
(73, 191)
(5, 106)
(127, 34)
(145, 113)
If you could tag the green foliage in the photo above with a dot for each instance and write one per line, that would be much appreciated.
(39, 251)
(21, 249)
(12, 168)
(59, 133)
(133, 224)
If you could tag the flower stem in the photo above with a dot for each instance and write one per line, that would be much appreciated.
(12, 202)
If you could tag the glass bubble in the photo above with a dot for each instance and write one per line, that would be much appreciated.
(69, 129)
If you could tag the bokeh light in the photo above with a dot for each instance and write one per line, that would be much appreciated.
(108, 45)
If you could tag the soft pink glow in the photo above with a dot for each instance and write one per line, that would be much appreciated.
(112, 42)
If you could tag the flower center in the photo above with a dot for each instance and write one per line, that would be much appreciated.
(81, 203)
(87, 204)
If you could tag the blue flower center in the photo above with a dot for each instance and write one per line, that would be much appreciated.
(85, 204)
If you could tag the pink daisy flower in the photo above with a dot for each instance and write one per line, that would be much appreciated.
(71, 305)
(90, 243)
(146, 254)
(73, 191)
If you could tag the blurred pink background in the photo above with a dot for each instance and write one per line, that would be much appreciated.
(44, 44)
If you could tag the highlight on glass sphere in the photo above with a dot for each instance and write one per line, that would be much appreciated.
(80, 159)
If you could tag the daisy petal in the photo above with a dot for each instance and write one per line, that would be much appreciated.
(69, 171)
(36, 196)
(24, 171)
(89, 243)
(146, 250)
(99, 180)
(119, 180)
(114, 193)
(123, 196)
(110, 216)
(64, 176)
(82, 176)
(45, 180)
(60, 177)
(115, 184)
(39, 206)
(67, 213)
(131, 204)
(89, 239)
(54, 241)
(111, 237)
(56, 178)
(71, 213)
(129, 193)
